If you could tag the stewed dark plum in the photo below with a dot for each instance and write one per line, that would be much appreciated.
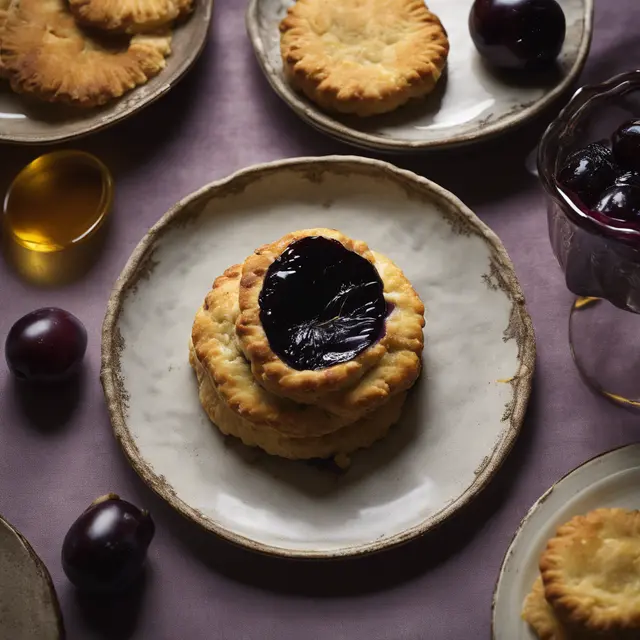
(518, 34)
(626, 145)
(45, 345)
(106, 547)
(607, 180)
(588, 172)
(321, 304)
(621, 203)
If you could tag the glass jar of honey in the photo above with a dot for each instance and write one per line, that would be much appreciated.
(58, 205)
(58, 200)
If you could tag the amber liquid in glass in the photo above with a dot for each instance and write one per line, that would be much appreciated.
(55, 203)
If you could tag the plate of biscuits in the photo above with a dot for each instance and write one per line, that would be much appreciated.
(318, 357)
(72, 67)
(398, 75)
(571, 570)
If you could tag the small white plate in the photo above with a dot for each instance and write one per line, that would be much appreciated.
(29, 607)
(609, 480)
(26, 121)
(461, 418)
(470, 103)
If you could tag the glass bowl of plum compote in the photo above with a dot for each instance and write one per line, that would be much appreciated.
(589, 165)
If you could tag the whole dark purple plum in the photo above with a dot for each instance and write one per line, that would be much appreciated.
(106, 547)
(45, 345)
(517, 34)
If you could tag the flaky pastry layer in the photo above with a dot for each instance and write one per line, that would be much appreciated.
(338, 444)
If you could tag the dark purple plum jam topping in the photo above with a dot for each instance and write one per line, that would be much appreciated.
(588, 172)
(321, 304)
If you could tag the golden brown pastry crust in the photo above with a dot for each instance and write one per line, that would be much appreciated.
(216, 347)
(591, 572)
(129, 16)
(539, 615)
(46, 54)
(353, 388)
(362, 56)
(338, 444)
(5, 6)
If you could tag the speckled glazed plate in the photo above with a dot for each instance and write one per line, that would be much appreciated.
(470, 103)
(609, 480)
(29, 607)
(25, 121)
(458, 424)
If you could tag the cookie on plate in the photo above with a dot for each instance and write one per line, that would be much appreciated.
(45, 54)
(4, 10)
(129, 16)
(591, 573)
(308, 348)
(218, 351)
(338, 444)
(539, 615)
(4, 14)
(325, 321)
(363, 57)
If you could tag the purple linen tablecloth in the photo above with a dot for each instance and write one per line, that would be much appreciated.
(56, 457)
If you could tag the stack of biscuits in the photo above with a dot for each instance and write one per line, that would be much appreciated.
(249, 392)
(589, 583)
(85, 53)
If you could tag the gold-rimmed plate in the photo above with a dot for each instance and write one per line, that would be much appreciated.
(461, 418)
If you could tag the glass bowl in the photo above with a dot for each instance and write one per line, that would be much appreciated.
(600, 256)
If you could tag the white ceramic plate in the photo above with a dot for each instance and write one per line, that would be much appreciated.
(458, 424)
(25, 121)
(471, 103)
(29, 607)
(610, 480)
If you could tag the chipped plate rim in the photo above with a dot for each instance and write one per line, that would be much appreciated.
(115, 393)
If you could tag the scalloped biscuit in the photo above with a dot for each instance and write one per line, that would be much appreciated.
(129, 16)
(44, 53)
(591, 573)
(363, 57)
